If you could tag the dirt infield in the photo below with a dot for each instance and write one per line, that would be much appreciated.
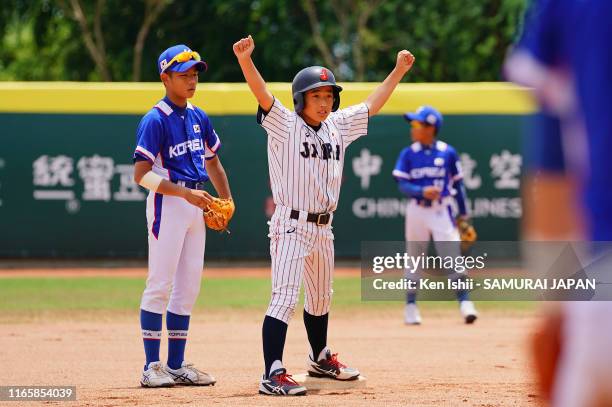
(442, 362)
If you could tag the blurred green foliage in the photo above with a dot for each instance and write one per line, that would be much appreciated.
(453, 40)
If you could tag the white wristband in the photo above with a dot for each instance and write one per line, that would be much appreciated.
(151, 181)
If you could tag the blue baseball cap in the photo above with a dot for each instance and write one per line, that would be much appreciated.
(165, 63)
(426, 114)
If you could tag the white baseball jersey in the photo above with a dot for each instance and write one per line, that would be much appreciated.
(306, 165)
(305, 172)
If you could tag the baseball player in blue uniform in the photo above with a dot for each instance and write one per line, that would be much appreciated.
(429, 173)
(176, 153)
(566, 58)
(306, 150)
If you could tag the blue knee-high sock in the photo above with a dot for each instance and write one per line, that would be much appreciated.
(411, 297)
(462, 295)
(274, 333)
(151, 325)
(177, 325)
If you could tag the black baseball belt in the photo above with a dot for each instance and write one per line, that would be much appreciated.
(191, 184)
(321, 219)
(426, 203)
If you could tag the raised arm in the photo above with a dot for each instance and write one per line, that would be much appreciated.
(243, 50)
(381, 94)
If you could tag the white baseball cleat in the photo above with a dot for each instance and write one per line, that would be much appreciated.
(412, 316)
(156, 376)
(468, 311)
(328, 365)
(279, 383)
(188, 375)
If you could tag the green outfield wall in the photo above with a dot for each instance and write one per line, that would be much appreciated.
(66, 186)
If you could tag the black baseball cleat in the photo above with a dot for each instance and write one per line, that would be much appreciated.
(279, 383)
(331, 367)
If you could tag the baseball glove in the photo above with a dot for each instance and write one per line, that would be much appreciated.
(467, 232)
(219, 213)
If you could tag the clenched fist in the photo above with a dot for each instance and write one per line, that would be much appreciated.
(404, 62)
(244, 47)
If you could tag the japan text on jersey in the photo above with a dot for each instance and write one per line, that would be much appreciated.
(436, 165)
(306, 164)
(177, 141)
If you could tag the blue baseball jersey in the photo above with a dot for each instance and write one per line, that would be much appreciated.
(177, 141)
(436, 165)
(566, 56)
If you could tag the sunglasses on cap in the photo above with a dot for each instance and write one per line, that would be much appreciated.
(183, 57)
(415, 124)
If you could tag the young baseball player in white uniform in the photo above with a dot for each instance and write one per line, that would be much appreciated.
(305, 156)
(176, 153)
(429, 173)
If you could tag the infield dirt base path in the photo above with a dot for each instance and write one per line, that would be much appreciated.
(440, 363)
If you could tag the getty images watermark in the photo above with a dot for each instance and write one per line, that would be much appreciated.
(563, 271)
(412, 264)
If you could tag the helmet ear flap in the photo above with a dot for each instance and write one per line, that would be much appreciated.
(298, 102)
(336, 103)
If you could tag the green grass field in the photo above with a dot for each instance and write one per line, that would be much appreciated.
(30, 296)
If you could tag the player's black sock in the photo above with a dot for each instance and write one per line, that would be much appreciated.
(316, 328)
(273, 332)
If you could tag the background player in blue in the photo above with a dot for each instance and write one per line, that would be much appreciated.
(429, 173)
(176, 153)
(565, 56)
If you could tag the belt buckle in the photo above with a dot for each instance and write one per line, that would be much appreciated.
(319, 222)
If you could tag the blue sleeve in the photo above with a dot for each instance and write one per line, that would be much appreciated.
(545, 24)
(148, 137)
(211, 139)
(402, 166)
(454, 165)
(460, 196)
(401, 173)
(410, 189)
(542, 144)
(454, 169)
